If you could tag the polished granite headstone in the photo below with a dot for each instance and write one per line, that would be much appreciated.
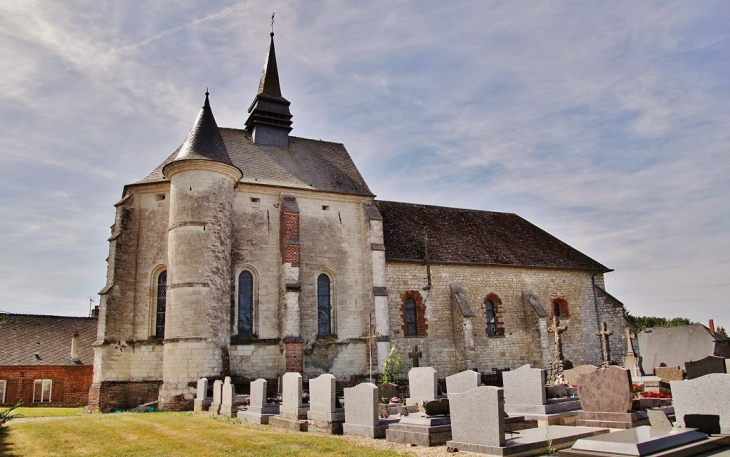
(422, 385)
(215, 405)
(323, 415)
(525, 394)
(702, 367)
(228, 399)
(638, 441)
(478, 425)
(202, 402)
(668, 374)
(361, 412)
(387, 391)
(462, 382)
(709, 394)
(258, 411)
(571, 376)
(292, 413)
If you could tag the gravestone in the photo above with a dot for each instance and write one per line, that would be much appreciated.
(228, 394)
(215, 405)
(202, 402)
(259, 411)
(709, 394)
(423, 385)
(640, 441)
(387, 391)
(607, 400)
(525, 394)
(478, 425)
(702, 367)
(324, 415)
(658, 419)
(668, 374)
(361, 412)
(571, 376)
(477, 419)
(291, 412)
(462, 382)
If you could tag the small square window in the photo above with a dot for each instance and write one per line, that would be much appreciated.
(325, 208)
(255, 200)
(160, 197)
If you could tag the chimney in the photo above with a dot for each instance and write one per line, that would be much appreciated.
(95, 311)
(75, 347)
(712, 326)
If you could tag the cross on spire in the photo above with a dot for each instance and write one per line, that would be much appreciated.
(604, 334)
(272, 22)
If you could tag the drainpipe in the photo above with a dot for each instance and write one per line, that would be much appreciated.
(598, 311)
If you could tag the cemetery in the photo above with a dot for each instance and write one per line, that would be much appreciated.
(576, 411)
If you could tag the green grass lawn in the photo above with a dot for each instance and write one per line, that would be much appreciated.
(165, 434)
(47, 412)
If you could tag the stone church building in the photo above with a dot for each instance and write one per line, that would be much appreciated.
(250, 252)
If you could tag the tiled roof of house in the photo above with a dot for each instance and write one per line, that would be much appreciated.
(473, 237)
(24, 335)
(305, 164)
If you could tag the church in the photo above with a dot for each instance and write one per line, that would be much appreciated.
(249, 253)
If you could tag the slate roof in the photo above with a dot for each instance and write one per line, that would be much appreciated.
(204, 140)
(305, 164)
(473, 237)
(22, 335)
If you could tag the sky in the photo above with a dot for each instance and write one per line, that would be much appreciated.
(607, 124)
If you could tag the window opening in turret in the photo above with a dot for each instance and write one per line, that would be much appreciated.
(161, 305)
(324, 309)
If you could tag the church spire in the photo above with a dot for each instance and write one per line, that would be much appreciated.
(204, 142)
(269, 119)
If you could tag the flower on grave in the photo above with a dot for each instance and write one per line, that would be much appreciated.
(395, 400)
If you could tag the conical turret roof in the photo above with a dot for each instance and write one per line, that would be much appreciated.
(204, 142)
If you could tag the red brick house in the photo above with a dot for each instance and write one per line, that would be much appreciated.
(46, 360)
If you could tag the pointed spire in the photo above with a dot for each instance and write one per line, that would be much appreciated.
(269, 83)
(204, 142)
(269, 113)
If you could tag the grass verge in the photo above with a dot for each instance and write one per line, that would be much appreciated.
(165, 434)
(47, 412)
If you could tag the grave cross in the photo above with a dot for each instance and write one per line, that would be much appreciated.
(415, 354)
(604, 334)
(371, 336)
(628, 334)
(557, 329)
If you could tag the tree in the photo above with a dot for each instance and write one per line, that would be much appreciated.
(391, 367)
(642, 322)
(7, 415)
(721, 330)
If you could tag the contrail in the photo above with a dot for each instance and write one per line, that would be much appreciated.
(217, 15)
(594, 165)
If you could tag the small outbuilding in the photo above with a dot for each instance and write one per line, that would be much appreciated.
(673, 346)
(46, 360)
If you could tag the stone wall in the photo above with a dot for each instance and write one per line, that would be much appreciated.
(521, 342)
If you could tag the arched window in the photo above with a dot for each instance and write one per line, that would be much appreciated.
(493, 314)
(556, 309)
(324, 306)
(161, 305)
(245, 303)
(491, 318)
(413, 313)
(411, 319)
(559, 306)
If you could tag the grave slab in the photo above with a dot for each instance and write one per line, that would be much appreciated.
(639, 441)
(292, 413)
(525, 394)
(420, 430)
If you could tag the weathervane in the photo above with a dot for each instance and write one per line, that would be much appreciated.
(272, 22)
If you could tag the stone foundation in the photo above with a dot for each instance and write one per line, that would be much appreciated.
(112, 395)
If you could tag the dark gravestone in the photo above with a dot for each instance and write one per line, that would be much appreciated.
(606, 390)
(387, 391)
(707, 423)
(437, 407)
(709, 364)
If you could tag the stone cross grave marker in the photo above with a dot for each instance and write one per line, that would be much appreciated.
(462, 382)
(477, 418)
(422, 383)
(414, 355)
(369, 339)
(628, 335)
(604, 334)
(525, 386)
(558, 329)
